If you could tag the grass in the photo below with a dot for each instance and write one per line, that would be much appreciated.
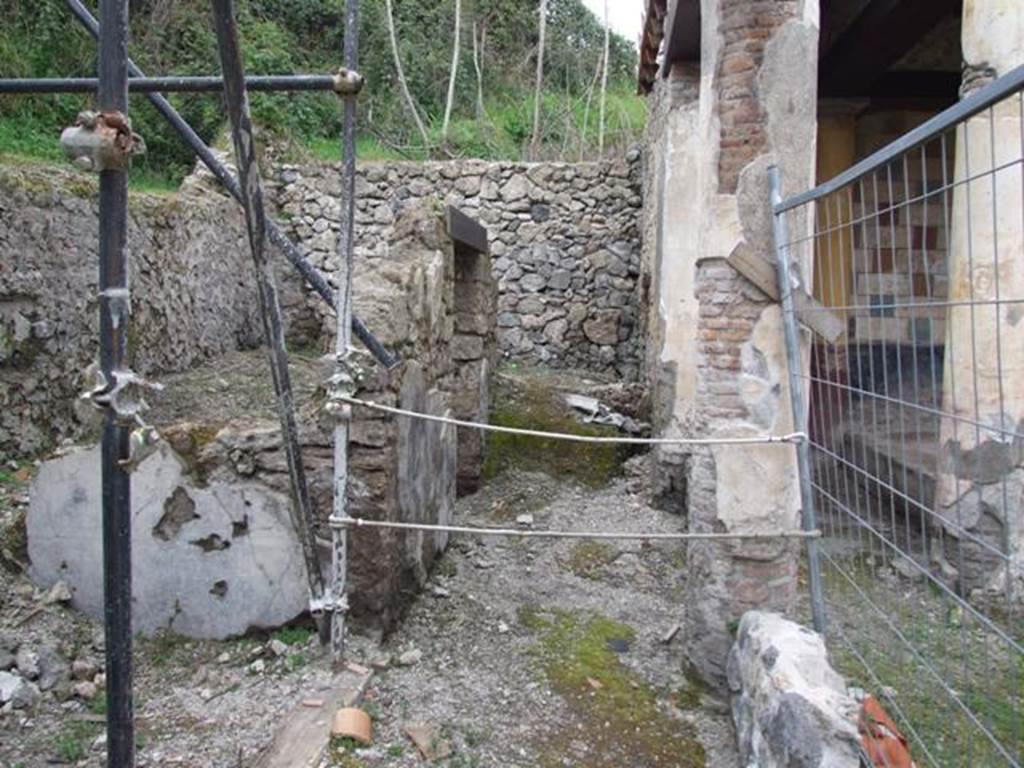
(983, 671)
(341, 753)
(622, 718)
(75, 739)
(293, 635)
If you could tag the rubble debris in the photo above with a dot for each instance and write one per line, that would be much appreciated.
(410, 657)
(596, 412)
(882, 740)
(60, 592)
(429, 740)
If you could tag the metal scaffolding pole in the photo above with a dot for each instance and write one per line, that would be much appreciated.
(273, 324)
(114, 307)
(344, 378)
(309, 273)
(343, 82)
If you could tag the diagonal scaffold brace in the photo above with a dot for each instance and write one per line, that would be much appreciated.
(308, 272)
(237, 100)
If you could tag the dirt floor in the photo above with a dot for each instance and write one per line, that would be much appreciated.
(519, 652)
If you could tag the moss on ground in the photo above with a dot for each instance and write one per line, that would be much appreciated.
(623, 722)
(537, 405)
(588, 559)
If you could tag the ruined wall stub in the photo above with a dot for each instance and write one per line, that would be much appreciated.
(980, 484)
(211, 507)
(721, 367)
(192, 291)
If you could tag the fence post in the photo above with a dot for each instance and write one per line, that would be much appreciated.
(787, 282)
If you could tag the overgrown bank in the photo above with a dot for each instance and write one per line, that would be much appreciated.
(491, 111)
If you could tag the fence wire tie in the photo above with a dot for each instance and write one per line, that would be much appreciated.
(344, 398)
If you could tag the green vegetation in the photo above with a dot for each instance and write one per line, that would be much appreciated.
(624, 722)
(293, 635)
(948, 645)
(75, 738)
(341, 753)
(536, 405)
(490, 119)
(588, 559)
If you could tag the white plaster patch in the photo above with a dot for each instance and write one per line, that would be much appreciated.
(230, 561)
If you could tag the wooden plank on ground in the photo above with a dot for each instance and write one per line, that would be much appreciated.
(809, 310)
(303, 738)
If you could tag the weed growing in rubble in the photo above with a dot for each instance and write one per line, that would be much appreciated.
(293, 635)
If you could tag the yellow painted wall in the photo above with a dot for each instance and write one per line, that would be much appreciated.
(833, 265)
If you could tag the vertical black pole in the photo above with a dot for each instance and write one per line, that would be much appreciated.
(273, 324)
(114, 310)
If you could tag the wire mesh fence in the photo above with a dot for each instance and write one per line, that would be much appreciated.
(916, 424)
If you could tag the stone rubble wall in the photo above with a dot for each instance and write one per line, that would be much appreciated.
(192, 290)
(565, 242)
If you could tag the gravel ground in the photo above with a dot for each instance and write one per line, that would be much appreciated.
(532, 653)
(539, 652)
(519, 652)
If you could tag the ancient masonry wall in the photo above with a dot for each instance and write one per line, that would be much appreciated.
(721, 366)
(191, 287)
(217, 490)
(565, 242)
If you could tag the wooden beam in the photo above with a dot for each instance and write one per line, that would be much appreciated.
(682, 34)
(302, 740)
(882, 34)
(909, 84)
(811, 312)
(466, 231)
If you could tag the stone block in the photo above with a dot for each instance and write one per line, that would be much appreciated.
(791, 709)
(211, 561)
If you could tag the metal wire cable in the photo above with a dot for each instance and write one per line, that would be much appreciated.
(793, 437)
(525, 533)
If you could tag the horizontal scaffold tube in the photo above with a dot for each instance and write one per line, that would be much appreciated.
(342, 83)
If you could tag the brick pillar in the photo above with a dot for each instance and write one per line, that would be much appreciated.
(980, 488)
(722, 365)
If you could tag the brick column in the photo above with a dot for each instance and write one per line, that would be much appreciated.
(722, 367)
(980, 488)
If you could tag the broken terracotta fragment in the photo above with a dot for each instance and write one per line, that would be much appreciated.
(353, 723)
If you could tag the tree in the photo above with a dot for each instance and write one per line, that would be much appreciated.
(401, 75)
(538, 88)
(454, 71)
(604, 81)
(478, 53)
